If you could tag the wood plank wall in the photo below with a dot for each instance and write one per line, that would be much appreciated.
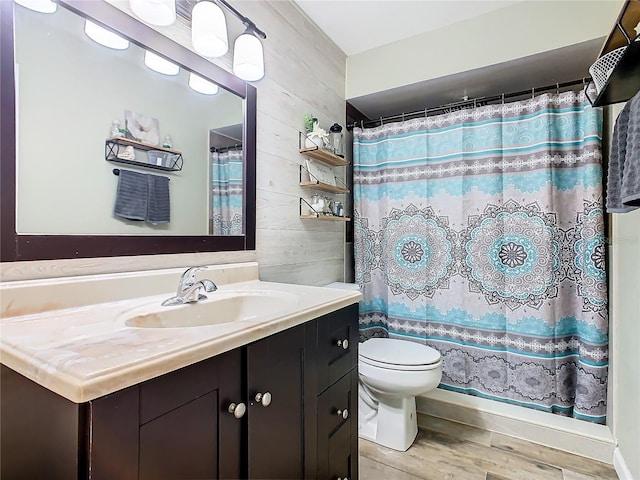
(305, 73)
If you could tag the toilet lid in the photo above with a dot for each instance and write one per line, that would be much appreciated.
(398, 352)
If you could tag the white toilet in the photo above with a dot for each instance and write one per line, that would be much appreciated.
(392, 372)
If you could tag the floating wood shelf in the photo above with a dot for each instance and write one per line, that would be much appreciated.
(141, 145)
(324, 156)
(333, 218)
(323, 186)
(624, 81)
(114, 145)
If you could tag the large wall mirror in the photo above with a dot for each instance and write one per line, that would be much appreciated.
(86, 127)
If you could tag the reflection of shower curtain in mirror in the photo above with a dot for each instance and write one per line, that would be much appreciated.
(226, 192)
(480, 233)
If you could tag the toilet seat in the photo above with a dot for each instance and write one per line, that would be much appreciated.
(395, 354)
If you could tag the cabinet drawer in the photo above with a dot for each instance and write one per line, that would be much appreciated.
(334, 361)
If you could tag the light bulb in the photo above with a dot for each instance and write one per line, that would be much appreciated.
(248, 58)
(209, 30)
(155, 12)
(42, 6)
(159, 64)
(104, 36)
(201, 85)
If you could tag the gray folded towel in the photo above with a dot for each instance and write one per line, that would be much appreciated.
(142, 196)
(131, 195)
(631, 172)
(158, 208)
(623, 176)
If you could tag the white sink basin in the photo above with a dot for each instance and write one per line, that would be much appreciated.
(218, 308)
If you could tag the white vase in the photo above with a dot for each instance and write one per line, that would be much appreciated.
(313, 140)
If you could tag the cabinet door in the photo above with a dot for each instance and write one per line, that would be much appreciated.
(181, 443)
(337, 435)
(172, 427)
(278, 366)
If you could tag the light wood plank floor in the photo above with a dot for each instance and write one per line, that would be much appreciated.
(454, 451)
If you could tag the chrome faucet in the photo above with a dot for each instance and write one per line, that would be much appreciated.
(189, 290)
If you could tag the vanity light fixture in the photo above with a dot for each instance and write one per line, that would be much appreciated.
(209, 29)
(105, 37)
(155, 12)
(200, 85)
(248, 57)
(42, 6)
(159, 64)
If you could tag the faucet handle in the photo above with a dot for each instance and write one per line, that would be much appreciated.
(188, 278)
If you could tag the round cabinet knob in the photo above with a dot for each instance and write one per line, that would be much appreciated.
(238, 410)
(264, 398)
(343, 413)
(343, 343)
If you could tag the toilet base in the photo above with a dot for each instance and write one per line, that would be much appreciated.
(392, 424)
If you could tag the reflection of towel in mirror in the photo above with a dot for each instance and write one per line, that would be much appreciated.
(141, 196)
(131, 195)
(158, 207)
(623, 179)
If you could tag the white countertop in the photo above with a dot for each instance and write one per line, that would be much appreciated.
(85, 352)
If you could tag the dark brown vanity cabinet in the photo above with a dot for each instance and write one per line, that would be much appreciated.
(295, 416)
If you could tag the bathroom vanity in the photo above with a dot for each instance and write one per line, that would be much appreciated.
(264, 396)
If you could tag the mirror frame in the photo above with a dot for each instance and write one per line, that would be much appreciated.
(17, 247)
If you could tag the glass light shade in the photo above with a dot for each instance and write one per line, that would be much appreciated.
(201, 85)
(209, 30)
(155, 12)
(159, 64)
(248, 58)
(42, 6)
(104, 36)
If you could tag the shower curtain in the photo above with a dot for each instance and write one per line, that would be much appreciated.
(226, 192)
(480, 233)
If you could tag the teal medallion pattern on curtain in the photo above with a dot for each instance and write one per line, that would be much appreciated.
(481, 233)
(226, 192)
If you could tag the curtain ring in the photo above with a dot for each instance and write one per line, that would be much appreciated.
(474, 103)
(381, 122)
(557, 89)
(426, 114)
(533, 92)
(362, 124)
(503, 99)
(403, 116)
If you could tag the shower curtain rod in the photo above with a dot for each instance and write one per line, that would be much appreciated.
(380, 121)
(225, 149)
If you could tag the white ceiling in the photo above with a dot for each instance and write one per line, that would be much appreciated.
(359, 25)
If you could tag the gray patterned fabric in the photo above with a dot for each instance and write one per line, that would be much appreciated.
(623, 178)
(158, 203)
(131, 195)
(141, 196)
(480, 233)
